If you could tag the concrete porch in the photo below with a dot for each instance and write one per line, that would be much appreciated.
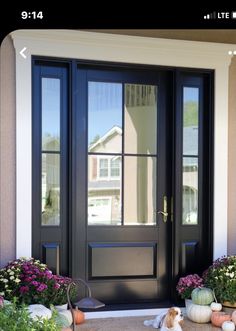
(136, 324)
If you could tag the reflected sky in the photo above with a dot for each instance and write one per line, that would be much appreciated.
(104, 108)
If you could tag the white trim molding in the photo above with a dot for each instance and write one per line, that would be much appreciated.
(127, 49)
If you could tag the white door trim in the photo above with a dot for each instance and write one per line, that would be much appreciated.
(117, 48)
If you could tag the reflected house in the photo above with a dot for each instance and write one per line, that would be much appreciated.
(190, 179)
(50, 203)
(104, 180)
(190, 156)
(107, 188)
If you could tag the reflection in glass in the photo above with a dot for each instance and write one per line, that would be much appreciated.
(140, 119)
(104, 117)
(190, 119)
(139, 190)
(190, 191)
(104, 190)
(50, 189)
(50, 114)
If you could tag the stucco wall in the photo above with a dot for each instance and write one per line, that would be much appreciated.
(232, 160)
(7, 152)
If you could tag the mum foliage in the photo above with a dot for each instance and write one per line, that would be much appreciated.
(221, 277)
(32, 282)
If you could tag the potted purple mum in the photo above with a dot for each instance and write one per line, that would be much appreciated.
(187, 284)
(30, 281)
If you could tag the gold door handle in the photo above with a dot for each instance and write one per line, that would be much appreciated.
(164, 212)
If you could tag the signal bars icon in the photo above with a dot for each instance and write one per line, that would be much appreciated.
(210, 16)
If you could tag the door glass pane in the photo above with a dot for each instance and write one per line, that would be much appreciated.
(190, 191)
(50, 114)
(139, 190)
(50, 189)
(104, 117)
(104, 190)
(190, 119)
(140, 119)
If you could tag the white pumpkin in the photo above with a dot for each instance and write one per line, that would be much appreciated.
(6, 302)
(199, 313)
(228, 326)
(215, 306)
(62, 321)
(37, 311)
(66, 314)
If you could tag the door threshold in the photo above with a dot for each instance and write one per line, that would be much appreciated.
(128, 310)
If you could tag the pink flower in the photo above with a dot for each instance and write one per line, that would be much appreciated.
(1, 301)
(42, 287)
(24, 289)
(57, 286)
(187, 284)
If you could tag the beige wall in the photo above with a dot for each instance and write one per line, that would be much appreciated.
(7, 153)
(232, 160)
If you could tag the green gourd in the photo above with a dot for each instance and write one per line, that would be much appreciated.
(202, 296)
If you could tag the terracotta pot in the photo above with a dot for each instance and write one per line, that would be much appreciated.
(229, 304)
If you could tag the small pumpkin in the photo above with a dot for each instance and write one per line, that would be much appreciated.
(215, 306)
(79, 316)
(66, 316)
(202, 296)
(199, 313)
(218, 318)
(233, 317)
(228, 326)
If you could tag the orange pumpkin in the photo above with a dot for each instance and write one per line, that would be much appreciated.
(218, 318)
(234, 316)
(79, 316)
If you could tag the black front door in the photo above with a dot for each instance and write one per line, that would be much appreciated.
(120, 185)
(122, 176)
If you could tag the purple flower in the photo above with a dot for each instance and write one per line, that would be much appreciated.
(1, 301)
(187, 284)
(48, 274)
(34, 283)
(24, 289)
(57, 286)
(42, 287)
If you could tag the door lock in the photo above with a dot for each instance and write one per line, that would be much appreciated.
(164, 212)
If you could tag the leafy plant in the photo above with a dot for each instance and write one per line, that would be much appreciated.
(221, 278)
(17, 318)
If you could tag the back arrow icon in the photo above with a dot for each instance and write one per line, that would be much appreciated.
(22, 52)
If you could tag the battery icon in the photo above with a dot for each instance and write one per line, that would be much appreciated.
(234, 14)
